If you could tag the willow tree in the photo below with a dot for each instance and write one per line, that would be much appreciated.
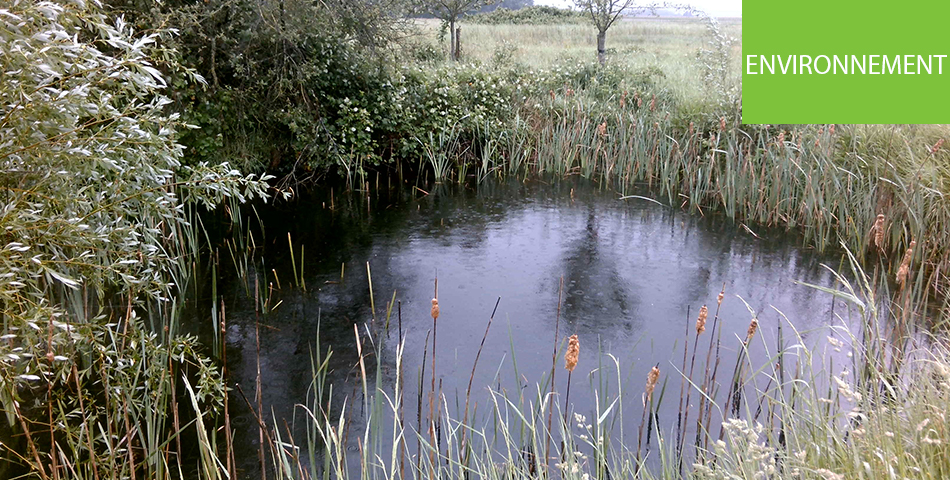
(449, 11)
(603, 14)
(94, 225)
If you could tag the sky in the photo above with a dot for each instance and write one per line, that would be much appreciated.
(717, 8)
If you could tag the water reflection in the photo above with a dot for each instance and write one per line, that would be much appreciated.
(630, 268)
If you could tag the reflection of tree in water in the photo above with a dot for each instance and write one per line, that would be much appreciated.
(596, 296)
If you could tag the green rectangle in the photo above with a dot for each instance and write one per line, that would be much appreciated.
(849, 35)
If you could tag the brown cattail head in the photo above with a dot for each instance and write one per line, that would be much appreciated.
(551, 93)
(573, 350)
(905, 264)
(623, 99)
(936, 147)
(652, 377)
(753, 326)
(722, 294)
(435, 309)
(701, 320)
(602, 129)
(722, 124)
(781, 138)
(877, 232)
(653, 103)
(691, 128)
(831, 129)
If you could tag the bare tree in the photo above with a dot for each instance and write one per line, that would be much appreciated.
(449, 11)
(603, 13)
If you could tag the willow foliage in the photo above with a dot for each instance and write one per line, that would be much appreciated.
(94, 230)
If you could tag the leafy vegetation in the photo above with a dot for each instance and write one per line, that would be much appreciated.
(534, 15)
(97, 245)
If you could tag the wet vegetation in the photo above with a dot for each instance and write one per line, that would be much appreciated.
(138, 140)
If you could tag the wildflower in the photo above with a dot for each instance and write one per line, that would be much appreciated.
(828, 474)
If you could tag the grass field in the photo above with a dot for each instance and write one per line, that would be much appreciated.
(671, 45)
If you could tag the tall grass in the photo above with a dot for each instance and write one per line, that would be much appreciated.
(800, 417)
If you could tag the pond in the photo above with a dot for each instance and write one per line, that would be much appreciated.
(635, 274)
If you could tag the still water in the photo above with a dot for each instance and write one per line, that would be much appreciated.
(631, 271)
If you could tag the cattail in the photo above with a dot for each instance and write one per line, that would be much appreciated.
(653, 103)
(905, 264)
(551, 92)
(753, 326)
(722, 124)
(831, 129)
(936, 147)
(701, 320)
(573, 350)
(602, 129)
(652, 377)
(781, 138)
(878, 232)
(623, 99)
(569, 92)
(719, 298)
(435, 309)
(691, 128)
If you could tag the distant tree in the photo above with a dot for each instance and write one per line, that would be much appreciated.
(449, 11)
(603, 14)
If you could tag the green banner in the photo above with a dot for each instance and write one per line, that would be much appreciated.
(845, 62)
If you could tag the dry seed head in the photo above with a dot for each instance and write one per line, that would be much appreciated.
(719, 298)
(573, 350)
(435, 309)
(878, 231)
(701, 320)
(722, 124)
(831, 129)
(653, 103)
(602, 129)
(936, 147)
(753, 326)
(905, 264)
(652, 377)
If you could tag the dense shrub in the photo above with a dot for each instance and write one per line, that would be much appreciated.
(535, 15)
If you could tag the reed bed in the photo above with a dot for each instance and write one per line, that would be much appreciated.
(796, 415)
(877, 189)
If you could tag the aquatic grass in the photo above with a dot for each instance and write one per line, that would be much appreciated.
(799, 416)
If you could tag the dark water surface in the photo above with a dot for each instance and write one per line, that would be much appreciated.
(630, 268)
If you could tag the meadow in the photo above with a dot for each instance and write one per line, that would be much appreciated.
(100, 380)
(671, 45)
